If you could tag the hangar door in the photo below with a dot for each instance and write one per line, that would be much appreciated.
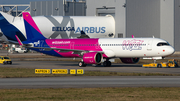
(105, 11)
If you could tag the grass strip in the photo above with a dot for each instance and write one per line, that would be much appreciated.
(28, 72)
(91, 94)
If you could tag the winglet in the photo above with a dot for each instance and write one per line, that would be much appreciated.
(132, 36)
(19, 41)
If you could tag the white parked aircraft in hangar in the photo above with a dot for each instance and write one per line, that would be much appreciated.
(63, 27)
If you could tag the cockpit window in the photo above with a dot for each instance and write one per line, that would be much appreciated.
(163, 44)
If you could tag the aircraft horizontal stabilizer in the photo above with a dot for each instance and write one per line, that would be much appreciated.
(19, 41)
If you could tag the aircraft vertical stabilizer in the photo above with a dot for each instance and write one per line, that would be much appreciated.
(32, 31)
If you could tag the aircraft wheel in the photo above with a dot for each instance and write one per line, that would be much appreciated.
(106, 63)
(4, 63)
(82, 64)
(109, 63)
(159, 66)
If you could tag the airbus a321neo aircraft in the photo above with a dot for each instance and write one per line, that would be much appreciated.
(93, 51)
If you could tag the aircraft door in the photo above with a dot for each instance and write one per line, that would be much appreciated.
(97, 46)
(149, 45)
(72, 45)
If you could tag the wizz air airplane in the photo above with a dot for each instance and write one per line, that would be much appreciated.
(94, 50)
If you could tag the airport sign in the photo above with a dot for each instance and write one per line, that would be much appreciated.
(43, 71)
(59, 71)
(72, 71)
(80, 71)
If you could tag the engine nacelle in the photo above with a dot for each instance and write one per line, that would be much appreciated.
(130, 60)
(92, 58)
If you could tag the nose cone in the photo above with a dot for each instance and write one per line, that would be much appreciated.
(169, 51)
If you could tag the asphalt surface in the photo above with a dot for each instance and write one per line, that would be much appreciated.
(90, 82)
(86, 81)
(125, 68)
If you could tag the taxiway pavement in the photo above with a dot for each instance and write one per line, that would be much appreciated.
(90, 82)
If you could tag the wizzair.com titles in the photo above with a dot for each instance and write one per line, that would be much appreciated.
(61, 42)
(79, 29)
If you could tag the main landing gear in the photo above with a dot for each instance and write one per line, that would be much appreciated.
(107, 63)
(82, 64)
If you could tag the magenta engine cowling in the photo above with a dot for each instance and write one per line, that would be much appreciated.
(130, 60)
(92, 58)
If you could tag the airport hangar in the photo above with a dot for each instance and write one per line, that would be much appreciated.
(141, 18)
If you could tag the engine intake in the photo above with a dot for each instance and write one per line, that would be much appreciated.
(130, 60)
(92, 58)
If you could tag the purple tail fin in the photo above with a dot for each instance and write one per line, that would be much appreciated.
(32, 30)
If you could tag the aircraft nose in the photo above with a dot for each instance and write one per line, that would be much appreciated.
(170, 51)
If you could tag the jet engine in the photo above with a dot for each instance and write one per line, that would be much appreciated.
(130, 60)
(92, 58)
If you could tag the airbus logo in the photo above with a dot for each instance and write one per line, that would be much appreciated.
(78, 30)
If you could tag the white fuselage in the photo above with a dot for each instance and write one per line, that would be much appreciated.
(135, 47)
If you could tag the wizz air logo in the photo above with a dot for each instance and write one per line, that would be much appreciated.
(36, 43)
(39, 43)
(132, 44)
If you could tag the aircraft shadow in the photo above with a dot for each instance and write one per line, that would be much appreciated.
(113, 65)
